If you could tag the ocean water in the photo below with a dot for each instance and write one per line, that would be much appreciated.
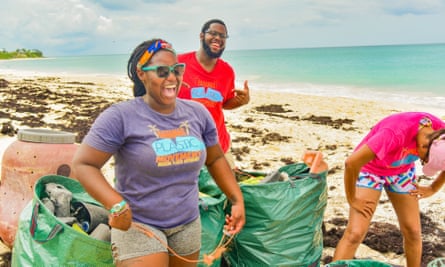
(409, 74)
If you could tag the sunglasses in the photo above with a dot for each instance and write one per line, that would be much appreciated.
(164, 71)
(214, 34)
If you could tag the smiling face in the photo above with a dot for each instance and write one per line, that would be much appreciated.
(213, 41)
(161, 92)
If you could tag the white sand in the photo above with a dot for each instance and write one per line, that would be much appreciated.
(335, 143)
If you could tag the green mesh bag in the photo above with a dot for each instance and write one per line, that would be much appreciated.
(43, 240)
(207, 185)
(358, 263)
(283, 219)
(212, 214)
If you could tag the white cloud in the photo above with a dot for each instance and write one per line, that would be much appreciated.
(104, 25)
(112, 26)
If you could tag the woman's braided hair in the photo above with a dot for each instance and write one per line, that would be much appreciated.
(138, 86)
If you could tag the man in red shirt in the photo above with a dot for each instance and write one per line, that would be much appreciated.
(211, 81)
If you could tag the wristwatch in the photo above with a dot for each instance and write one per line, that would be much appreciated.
(116, 208)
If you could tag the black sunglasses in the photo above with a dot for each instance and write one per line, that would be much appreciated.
(164, 71)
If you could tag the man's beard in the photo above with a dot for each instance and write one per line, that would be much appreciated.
(209, 51)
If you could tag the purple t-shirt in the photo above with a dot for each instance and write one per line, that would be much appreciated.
(393, 140)
(157, 157)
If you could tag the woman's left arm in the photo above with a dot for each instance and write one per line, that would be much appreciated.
(222, 174)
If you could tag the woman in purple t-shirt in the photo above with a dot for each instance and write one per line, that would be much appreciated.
(159, 143)
(385, 159)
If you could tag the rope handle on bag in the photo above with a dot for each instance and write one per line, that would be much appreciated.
(33, 227)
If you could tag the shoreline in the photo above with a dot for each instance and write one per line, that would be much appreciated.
(272, 130)
(431, 100)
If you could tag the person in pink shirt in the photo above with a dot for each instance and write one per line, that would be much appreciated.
(211, 81)
(385, 159)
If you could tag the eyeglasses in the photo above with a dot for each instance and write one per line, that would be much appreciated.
(164, 71)
(214, 34)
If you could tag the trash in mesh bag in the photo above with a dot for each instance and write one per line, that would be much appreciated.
(42, 239)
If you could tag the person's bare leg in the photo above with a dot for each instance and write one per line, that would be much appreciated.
(177, 262)
(357, 226)
(152, 260)
(407, 210)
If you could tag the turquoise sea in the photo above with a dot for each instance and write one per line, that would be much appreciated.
(401, 73)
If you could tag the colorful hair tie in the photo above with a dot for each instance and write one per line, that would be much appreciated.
(425, 122)
(151, 50)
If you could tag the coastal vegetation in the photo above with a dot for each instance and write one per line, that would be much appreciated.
(21, 53)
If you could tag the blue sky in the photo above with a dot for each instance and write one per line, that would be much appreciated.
(87, 27)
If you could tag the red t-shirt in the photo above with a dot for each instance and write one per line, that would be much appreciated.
(212, 89)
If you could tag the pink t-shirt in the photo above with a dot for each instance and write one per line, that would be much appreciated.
(393, 140)
(212, 89)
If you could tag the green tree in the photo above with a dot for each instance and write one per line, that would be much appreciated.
(21, 53)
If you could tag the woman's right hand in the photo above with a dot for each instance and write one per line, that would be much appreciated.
(235, 222)
(121, 221)
(363, 206)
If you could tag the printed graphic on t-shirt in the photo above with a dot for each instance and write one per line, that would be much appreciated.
(210, 97)
(408, 156)
(176, 146)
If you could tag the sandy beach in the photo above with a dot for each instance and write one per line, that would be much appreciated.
(274, 129)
